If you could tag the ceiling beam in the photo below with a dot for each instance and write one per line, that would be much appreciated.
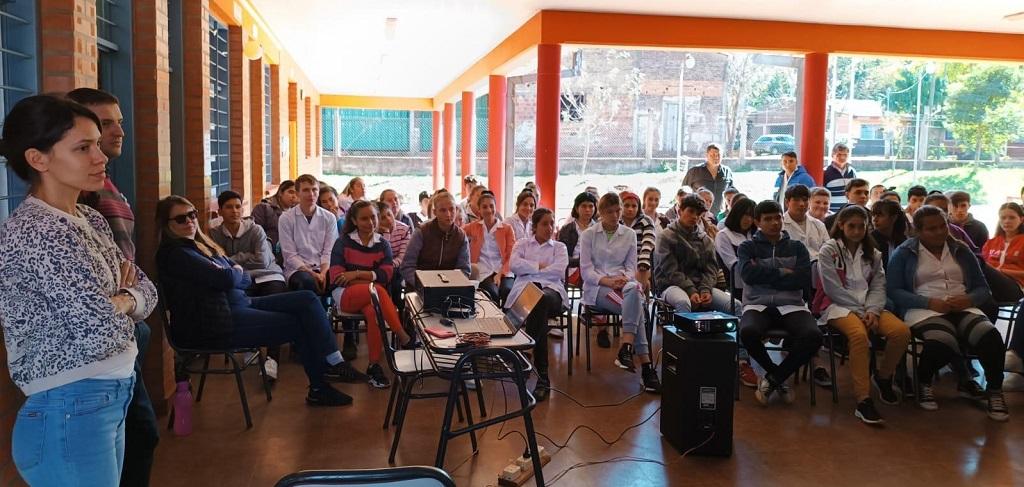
(376, 102)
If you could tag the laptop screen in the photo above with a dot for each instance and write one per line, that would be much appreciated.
(524, 304)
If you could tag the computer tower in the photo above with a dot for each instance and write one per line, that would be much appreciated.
(699, 380)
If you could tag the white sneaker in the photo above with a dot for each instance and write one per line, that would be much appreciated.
(556, 333)
(927, 399)
(1013, 362)
(270, 365)
(1013, 382)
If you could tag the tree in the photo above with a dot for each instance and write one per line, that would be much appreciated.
(591, 101)
(984, 107)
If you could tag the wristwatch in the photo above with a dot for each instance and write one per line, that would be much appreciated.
(125, 292)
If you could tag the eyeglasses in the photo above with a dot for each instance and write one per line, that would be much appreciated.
(185, 217)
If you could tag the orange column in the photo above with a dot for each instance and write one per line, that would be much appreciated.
(468, 134)
(449, 147)
(549, 67)
(496, 137)
(435, 147)
(812, 134)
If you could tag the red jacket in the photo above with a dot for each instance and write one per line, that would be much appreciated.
(992, 252)
(504, 235)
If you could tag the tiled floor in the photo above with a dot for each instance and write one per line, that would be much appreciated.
(776, 445)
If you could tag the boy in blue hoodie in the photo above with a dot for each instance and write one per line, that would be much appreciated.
(776, 270)
(792, 174)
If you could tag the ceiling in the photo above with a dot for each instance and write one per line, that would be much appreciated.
(343, 46)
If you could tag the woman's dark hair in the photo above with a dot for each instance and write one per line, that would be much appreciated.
(353, 213)
(695, 202)
(486, 193)
(538, 215)
(381, 206)
(284, 186)
(38, 122)
(854, 211)
(1016, 209)
(525, 194)
(925, 212)
(205, 244)
(584, 197)
(893, 210)
(741, 208)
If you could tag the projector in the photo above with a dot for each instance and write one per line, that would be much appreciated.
(706, 322)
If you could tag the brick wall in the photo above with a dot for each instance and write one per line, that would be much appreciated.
(279, 124)
(238, 74)
(256, 113)
(307, 134)
(196, 75)
(67, 45)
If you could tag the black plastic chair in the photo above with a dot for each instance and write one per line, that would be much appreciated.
(398, 476)
(185, 356)
(586, 321)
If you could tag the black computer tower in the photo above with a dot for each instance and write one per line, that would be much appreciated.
(699, 380)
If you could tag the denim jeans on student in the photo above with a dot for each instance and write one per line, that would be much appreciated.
(632, 311)
(73, 435)
(296, 316)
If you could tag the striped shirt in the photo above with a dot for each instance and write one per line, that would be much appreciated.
(399, 239)
(835, 182)
(349, 254)
(645, 240)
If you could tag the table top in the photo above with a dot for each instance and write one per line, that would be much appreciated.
(484, 308)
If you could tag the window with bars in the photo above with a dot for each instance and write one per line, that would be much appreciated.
(268, 165)
(18, 71)
(220, 115)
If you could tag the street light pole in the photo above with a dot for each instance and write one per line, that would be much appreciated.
(917, 126)
(686, 62)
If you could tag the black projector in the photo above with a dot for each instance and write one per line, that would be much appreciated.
(706, 322)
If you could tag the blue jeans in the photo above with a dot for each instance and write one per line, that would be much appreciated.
(302, 281)
(296, 316)
(73, 435)
(632, 311)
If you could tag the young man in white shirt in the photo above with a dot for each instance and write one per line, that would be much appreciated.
(307, 233)
(801, 226)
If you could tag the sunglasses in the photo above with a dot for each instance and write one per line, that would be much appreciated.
(185, 217)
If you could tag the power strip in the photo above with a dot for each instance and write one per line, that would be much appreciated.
(521, 470)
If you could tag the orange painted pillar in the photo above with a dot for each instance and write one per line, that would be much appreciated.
(435, 146)
(497, 92)
(468, 134)
(549, 71)
(449, 148)
(812, 134)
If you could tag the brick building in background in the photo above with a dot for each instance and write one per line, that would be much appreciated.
(202, 84)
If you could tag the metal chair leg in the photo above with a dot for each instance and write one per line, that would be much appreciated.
(568, 331)
(400, 382)
(400, 410)
(469, 416)
(446, 423)
(241, 391)
(263, 374)
(531, 437)
(202, 378)
(832, 366)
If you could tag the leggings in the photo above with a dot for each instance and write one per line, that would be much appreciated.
(896, 334)
(356, 299)
(944, 336)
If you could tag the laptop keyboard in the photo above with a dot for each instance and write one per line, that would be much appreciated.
(492, 325)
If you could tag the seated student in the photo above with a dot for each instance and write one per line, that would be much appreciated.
(526, 202)
(438, 244)
(941, 201)
(268, 212)
(739, 227)
(471, 212)
(875, 194)
(686, 269)
(397, 234)
(775, 271)
(354, 191)
(936, 285)
(469, 182)
(960, 215)
(893, 196)
(792, 174)
(540, 260)
(584, 207)
(205, 293)
(853, 278)
(645, 236)
(608, 265)
(709, 199)
(890, 227)
(307, 234)
(392, 199)
(915, 200)
(424, 214)
(362, 258)
(802, 227)
(328, 200)
(728, 195)
(819, 203)
(856, 194)
(673, 213)
(490, 248)
(652, 198)
(1005, 253)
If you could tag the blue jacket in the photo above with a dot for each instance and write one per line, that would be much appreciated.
(800, 176)
(760, 264)
(903, 267)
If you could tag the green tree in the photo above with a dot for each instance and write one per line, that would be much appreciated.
(984, 108)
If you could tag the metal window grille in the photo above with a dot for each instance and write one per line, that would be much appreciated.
(268, 166)
(17, 75)
(220, 116)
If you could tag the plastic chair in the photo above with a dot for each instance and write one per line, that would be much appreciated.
(392, 477)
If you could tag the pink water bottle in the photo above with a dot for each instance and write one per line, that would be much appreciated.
(183, 409)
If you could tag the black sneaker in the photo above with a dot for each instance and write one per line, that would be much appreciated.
(542, 389)
(927, 399)
(821, 377)
(377, 377)
(327, 396)
(343, 372)
(602, 339)
(625, 358)
(971, 390)
(997, 410)
(650, 379)
(887, 393)
(867, 413)
(348, 350)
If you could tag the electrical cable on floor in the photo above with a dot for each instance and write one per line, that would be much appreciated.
(481, 436)
(622, 459)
